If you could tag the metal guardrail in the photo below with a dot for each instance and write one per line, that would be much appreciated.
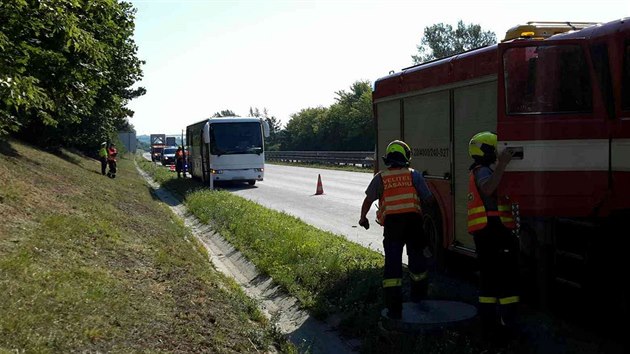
(363, 158)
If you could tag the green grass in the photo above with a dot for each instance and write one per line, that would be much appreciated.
(328, 274)
(89, 263)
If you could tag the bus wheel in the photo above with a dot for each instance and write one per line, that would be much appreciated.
(432, 225)
(251, 183)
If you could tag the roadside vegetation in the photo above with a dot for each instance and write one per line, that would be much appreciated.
(335, 279)
(93, 264)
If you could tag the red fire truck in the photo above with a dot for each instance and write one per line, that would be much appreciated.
(558, 94)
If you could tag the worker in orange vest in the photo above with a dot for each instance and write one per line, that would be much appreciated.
(111, 160)
(401, 192)
(491, 223)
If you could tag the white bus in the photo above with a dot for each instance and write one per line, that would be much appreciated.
(227, 149)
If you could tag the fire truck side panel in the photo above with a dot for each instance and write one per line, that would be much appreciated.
(474, 110)
(427, 131)
(389, 128)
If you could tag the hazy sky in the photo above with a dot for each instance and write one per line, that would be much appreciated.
(206, 56)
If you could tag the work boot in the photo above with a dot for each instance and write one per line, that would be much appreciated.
(393, 301)
(489, 320)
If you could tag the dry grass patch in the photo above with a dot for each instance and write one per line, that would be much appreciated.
(89, 263)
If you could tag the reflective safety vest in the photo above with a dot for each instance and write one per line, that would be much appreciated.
(399, 194)
(477, 213)
(112, 152)
(102, 152)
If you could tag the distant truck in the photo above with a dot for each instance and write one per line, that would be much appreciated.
(227, 149)
(171, 141)
(158, 143)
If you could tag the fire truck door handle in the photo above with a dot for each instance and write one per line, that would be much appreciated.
(517, 152)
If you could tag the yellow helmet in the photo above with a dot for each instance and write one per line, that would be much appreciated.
(476, 146)
(397, 146)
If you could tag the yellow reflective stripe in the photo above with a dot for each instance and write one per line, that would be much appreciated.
(390, 283)
(504, 208)
(476, 210)
(401, 206)
(509, 300)
(418, 277)
(399, 197)
(477, 221)
(487, 300)
(506, 219)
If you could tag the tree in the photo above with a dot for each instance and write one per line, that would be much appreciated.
(346, 125)
(224, 113)
(66, 70)
(272, 142)
(441, 40)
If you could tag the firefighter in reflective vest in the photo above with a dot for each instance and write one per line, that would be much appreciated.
(400, 190)
(490, 221)
(111, 160)
(102, 156)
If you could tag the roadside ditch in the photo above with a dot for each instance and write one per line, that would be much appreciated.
(304, 331)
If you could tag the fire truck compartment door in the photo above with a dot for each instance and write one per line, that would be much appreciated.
(388, 125)
(474, 111)
(427, 131)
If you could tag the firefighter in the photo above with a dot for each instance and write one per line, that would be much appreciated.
(179, 162)
(401, 191)
(102, 156)
(491, 222)
(111, 160)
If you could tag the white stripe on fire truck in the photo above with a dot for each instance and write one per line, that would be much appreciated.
(570, 155)
(621, 155)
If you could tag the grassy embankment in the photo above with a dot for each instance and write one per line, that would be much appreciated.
(327, 273)
(89, 263)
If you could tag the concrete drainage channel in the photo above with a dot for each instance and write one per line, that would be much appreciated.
(306, 332)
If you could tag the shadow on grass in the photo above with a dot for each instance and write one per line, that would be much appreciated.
(65, 156)
(8, 150)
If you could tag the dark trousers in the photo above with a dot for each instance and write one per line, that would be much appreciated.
(179, 167)
(497, 254)
(112, 168)
(103, 165)
(401, 230)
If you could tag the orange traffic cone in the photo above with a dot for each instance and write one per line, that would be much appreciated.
(320, 189)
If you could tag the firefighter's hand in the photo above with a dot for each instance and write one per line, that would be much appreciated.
(364, 222)
(505, 157)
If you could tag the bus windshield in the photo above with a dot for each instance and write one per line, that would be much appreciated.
(236, 138)
(547, 79)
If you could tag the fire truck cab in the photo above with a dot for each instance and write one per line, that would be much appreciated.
(558, 94)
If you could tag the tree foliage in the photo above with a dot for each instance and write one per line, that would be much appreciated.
(224, 113)
(273, 141)
(67, 70)
(441, 40)
(346, 125)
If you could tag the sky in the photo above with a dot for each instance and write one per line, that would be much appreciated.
(205, 56)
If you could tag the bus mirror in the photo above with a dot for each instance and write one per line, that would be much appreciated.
(206, 133)
(265, 128)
